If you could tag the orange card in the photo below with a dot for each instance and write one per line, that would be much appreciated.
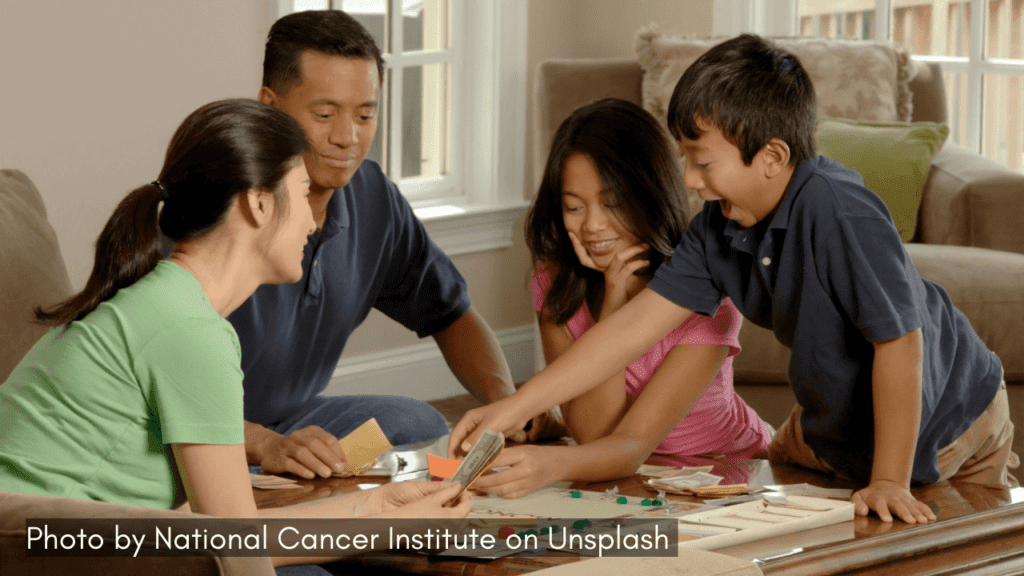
(442, 467)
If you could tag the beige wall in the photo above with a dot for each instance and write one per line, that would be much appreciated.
(93, 90)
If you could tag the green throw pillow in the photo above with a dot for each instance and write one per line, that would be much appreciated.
(894, 160)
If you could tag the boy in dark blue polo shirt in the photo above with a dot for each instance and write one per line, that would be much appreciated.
(892, 383)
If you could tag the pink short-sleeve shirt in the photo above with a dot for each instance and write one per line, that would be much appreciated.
(720, 422)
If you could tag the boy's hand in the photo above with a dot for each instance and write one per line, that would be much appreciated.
(886, 497)
(501, 416)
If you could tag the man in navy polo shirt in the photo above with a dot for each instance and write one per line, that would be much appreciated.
(370, 251)
(893, 385)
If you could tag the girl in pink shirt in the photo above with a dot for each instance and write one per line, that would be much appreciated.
(607, 215)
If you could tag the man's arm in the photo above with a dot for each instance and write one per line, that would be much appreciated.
(896, 397)
(475, 357)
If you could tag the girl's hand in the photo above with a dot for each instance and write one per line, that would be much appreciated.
(531, 468)
(619, 276)
(422, 500)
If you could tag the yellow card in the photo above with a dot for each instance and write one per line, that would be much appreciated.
(363, 445)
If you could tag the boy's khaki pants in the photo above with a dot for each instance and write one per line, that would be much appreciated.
(981, 455)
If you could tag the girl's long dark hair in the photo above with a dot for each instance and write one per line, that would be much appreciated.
(639, 173)
(220, 151)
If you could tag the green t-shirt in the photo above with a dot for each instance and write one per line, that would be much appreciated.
(88, 412)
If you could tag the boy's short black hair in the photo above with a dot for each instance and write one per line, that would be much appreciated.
(752, 91)
(330, 32)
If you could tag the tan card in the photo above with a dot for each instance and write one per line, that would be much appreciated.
(362, 447)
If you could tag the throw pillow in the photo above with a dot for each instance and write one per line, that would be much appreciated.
(852, 79)
(894, 160)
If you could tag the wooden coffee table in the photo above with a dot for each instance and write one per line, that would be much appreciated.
(979, 531)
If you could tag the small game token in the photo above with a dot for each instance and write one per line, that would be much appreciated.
(656, 502)
(576, 494)
(578, 525)
(505, 531)
(621, 500)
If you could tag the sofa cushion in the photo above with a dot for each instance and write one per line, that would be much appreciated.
(894, 160)
(33, 272)
(857, 80)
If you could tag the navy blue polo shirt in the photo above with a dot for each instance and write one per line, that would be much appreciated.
(829, 276)
(373, 253)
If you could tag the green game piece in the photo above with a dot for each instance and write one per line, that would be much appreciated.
(656, 502)
(576, 494)
(554, 528)
(621, 500)
(578, 525)
(645, 502)
(545, 531)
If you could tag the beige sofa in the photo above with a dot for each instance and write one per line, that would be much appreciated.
(32, 273)
(970, 236)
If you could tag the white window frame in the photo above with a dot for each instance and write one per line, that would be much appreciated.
(780, 18)
(473, 208)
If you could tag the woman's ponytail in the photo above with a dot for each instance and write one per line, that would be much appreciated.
(128, 248)
(221, 150)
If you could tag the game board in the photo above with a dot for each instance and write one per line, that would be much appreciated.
(705, 526)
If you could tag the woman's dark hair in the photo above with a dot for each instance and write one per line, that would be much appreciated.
(220, 151)
(752, 91)
(330, 32)
(639, 174)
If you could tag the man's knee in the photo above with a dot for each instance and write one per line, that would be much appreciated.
(408, 421)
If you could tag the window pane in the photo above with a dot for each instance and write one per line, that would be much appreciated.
(1003, 124)
(1005, 29)
(425, 120)
(303, 5)
(956, 95)
(426, 24)
(933, 27)
(831, 19)
(372, 14)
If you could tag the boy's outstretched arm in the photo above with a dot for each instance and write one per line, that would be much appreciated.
(896, 391)
(602, 351)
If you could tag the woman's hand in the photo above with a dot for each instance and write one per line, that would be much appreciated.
(420, 500)
(504, 416)
(620, 278)
(531, 468)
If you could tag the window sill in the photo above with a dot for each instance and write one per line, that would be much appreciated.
(466, 229)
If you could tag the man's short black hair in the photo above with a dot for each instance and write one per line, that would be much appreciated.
(752, 91)
(330, 32)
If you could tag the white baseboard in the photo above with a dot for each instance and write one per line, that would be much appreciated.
(419, 371)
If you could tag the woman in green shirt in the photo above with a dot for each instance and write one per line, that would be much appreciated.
(142, 363)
